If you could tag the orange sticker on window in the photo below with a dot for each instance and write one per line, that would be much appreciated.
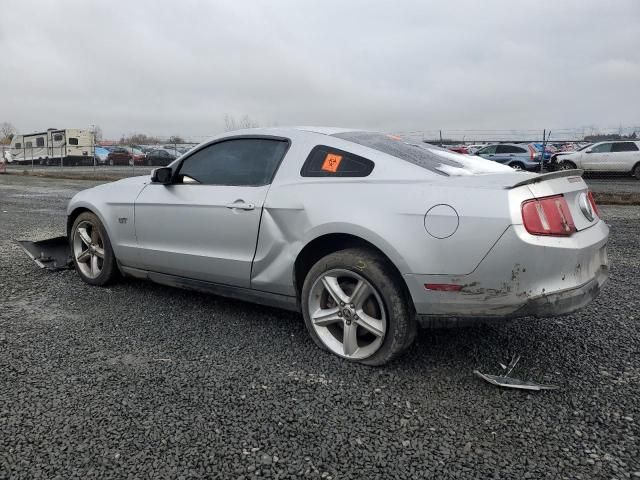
(331, 162)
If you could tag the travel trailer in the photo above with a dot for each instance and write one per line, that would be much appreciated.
(71, 146)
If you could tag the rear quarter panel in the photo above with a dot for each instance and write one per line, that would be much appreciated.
(386, 209)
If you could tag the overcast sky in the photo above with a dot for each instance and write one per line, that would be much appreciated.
(164, 68)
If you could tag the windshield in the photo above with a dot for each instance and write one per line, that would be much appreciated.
(430, 157)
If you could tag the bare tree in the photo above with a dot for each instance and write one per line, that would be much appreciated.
(247, 122)
(97, 133)
(230, 122)
(7, 131)
(176, 139)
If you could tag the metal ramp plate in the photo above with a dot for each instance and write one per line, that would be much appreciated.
(52, 253)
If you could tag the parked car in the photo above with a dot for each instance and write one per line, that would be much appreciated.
(615, 156)
(471, 149)
(516, 156)
(365, 234)
(126, 156)
(101, 155)
(556, 158)
(458, 149)
(159, 157)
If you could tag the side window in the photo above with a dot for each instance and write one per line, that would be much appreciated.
(242, 162)
(57, 137)
(509, 149)
(28, 144)
(491, 149)
(18, 145)
(624, 147)
(73, 141)
(40, 142)
(326, 161)
(602, 148)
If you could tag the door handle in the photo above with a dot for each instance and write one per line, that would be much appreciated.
(241, 205)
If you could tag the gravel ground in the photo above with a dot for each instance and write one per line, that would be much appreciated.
(597, 183)
(115, 171)
(143, 381)
(604, 184)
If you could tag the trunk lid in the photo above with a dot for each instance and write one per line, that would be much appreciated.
(566, 182)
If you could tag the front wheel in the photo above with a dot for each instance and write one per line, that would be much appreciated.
(636, 171)
(567, 165)
(92, 253)
(355, 306)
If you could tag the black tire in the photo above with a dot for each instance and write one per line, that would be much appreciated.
(109, 271)
(401, 322)
(517, 165)
(567, 165)
(636, 171)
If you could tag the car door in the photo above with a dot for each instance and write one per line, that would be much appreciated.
(487, 152)
(510, 154)
(204, 225)
(503, 153)
(623, 156)
(596, 158)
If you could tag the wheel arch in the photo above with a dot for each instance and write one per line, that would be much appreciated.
(327, 243)
(77, 210)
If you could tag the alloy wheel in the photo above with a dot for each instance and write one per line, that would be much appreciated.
(347, 314)
(88, 249)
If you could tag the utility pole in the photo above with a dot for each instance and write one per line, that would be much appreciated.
(93, 146)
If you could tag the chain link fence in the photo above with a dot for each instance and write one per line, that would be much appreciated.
(84, 159)
(609, 155)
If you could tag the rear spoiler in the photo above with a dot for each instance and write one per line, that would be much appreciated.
(548, 176)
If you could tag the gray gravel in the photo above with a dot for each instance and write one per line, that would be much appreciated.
(143, 381)
(597, 182)
(618, 184)
(115, 171)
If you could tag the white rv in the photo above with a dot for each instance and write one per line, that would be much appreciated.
(72, 146)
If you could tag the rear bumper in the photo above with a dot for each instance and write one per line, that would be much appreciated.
(522, 275)
(566, 301)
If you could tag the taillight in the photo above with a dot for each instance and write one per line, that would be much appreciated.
(592, 201)
(548, 216)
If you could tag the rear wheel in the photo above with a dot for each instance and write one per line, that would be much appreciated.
(517, 166)
(354, 306)
(92, 253)
(636, 171)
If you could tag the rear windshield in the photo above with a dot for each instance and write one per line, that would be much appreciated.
(430, 157)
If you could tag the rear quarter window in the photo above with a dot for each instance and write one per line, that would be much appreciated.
(420, 154)
(324, 161)
(624, 147)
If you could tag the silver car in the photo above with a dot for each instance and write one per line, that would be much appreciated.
(516, 156)
(368, 235)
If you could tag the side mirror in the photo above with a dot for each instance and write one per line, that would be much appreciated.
(162, 175)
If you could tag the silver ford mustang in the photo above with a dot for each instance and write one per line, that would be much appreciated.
(368, 235)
